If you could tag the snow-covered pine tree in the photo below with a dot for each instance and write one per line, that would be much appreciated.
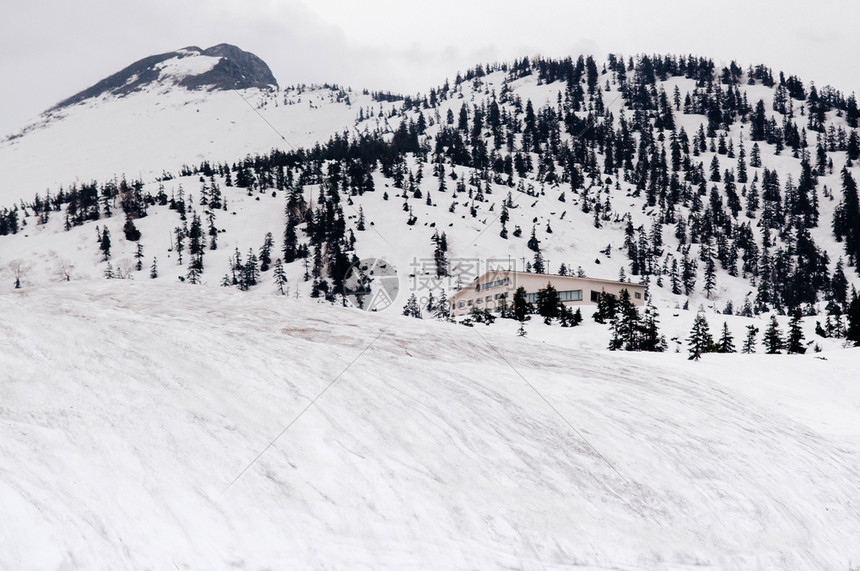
(213, 232)
(853, 329)
(266, 252)
(749, 340)
(626, 325)
(521, 306)
(138, 255)
(794, 343)
(773, 337)
(179, 246)
(279, 277)
(649, 338)
(726, 344)
(132, 234)
(443, 309)
(547, 303)
(105, 244)
(412, 309)
(700, 340)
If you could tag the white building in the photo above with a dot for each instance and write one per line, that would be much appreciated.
(488, 291)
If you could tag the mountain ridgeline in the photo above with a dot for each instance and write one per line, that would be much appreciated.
(725, 184)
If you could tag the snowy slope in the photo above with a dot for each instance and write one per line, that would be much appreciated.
(128, 408)
(162, 128)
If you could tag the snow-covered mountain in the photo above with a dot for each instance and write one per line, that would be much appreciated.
(663, 169)
(164, 111)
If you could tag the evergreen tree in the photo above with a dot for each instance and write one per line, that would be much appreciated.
(482, 316)
(674, 279)
(180, 242)
(213, 232)
(443, 308)
(431, 304)
(195, 235)
(193, 275)
(153, 269)
(625, 326)
(104, 245)
(839, 285)
(250, 273)
(533, 243)
(688, 271)
(503, 219)
(742, 165)
(715, 169)
(521, 306)
(568, 317)
(440, 254)
(726, 344)
(649, 331)
(795, 333)
(539, 266)
(132, 234)
(853, 331)
(266, 252)
(279, 277)
(548, 303)
(700, 340)
(846, 219)
(138, 255)
(755, 157)
(710, 276)
(607, 307)
(290, 242)
(196, 248)
(773, 337)
(749, 341)
(412, 309)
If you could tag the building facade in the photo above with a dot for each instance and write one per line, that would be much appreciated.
(489, 290)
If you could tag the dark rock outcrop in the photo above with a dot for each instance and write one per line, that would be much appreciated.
(237, 69)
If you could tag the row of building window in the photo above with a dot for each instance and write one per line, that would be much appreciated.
(595, 295)
(490, 285)
(489, 299)
(567, 295)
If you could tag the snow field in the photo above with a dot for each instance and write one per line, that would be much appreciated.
(128, 407)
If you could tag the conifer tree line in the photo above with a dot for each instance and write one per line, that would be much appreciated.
(774, 340)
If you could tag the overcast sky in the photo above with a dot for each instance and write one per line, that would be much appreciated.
(51, 49)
